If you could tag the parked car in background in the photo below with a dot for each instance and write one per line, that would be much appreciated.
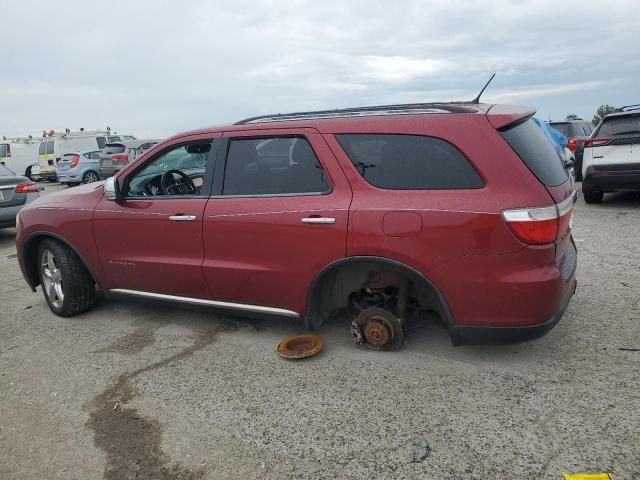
(16, 191)
(19, 154)
(612, 155)
(55, 144)
(576, 131)
(76, 168)
(390, 210)
(118, 154)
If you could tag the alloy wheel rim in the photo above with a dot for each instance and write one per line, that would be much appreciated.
(52, 279)
(92, 177)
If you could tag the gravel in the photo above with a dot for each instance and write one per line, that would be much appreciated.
(136, 389)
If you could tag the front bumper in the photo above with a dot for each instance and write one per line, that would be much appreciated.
(470, 335)
(611, 178)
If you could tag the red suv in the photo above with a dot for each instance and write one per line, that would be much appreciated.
(458, 208)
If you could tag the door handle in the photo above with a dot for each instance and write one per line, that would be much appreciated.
(321, 220)
(182, 218)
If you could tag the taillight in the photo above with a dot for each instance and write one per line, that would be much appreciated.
(596, 142)
(572, 144)
(541, 225)
(75, 160)
(27, 187)
(119, 157)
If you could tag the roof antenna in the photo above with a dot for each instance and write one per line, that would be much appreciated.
(477, 99)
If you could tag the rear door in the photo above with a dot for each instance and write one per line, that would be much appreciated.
(278, 215)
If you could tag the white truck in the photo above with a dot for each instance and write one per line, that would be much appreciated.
(54, 144)
(19, 154)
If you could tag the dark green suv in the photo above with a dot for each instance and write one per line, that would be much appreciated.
(576, 131)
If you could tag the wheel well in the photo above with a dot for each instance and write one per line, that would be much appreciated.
(330, 290)
(30, 256)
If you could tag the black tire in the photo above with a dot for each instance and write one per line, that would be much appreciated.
(90, 177)
(593, 197)
(27, 173)
(76, 292)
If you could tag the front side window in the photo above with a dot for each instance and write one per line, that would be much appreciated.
(42, 150)
(273, 166)
(177, 172)
(3, 151)
(50, 146)
(101, 142)
(409, 162)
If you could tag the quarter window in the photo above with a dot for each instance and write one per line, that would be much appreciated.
(409, 162)
(273, 166)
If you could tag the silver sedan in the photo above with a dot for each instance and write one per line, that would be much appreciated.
(15, 192)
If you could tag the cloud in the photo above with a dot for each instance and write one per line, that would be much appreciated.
(163, 67)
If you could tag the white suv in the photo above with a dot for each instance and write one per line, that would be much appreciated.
(611, 161)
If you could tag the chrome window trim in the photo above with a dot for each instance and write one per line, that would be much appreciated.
(212, 303)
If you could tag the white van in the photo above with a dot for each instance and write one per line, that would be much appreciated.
(19, 154)
(54, 145)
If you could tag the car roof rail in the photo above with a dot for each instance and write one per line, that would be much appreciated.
(405, 108)
(628, 108)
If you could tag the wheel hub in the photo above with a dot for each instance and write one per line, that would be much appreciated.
(377, 332)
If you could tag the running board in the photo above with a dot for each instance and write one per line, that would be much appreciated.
(209, 303)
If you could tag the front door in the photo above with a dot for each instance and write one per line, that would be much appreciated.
(151, 240)
(278, 216)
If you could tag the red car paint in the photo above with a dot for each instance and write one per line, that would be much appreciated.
(256, 250)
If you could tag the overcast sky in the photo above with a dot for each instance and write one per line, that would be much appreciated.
(156, 68)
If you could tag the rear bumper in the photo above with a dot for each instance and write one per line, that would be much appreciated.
(607, 178)
(470, 335)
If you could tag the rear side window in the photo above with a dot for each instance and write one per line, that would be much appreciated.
(273, 166)
(409, 162)
(534, 148)
(611, 127)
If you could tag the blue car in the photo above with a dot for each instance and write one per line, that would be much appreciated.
(76, 168)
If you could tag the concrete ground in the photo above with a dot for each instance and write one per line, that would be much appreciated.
(136, 389)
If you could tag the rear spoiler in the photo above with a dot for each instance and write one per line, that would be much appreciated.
(501, 116)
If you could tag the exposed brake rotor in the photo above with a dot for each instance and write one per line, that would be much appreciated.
(300, 346)
(378, 329)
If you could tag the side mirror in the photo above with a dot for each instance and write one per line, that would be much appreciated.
(111, 189)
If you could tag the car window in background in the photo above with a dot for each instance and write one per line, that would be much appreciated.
(273, 166)
(101, 142)
(43, 148)
(409, 162)
(564, 128)
(114, 138)
(614, 126)
(587, 129)
(539, 154)
(127, 138)
(50, 147)
(5, 172)
(3, 150)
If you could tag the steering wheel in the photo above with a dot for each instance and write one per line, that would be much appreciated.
(182, 186)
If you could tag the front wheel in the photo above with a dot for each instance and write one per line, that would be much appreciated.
(66, 283)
